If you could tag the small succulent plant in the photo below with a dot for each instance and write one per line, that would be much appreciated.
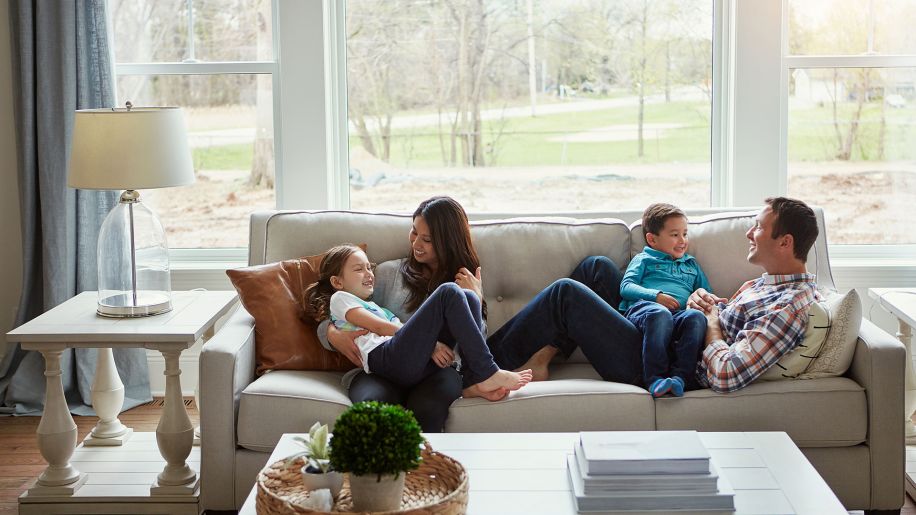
(317, 449)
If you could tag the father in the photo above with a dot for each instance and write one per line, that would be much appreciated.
(767, 317)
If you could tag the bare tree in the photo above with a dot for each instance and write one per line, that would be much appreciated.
(262, 164)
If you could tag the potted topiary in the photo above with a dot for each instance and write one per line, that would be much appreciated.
(376, 443)
(317, 472)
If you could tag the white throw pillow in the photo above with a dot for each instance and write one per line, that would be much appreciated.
(797, 361)
(836, 353)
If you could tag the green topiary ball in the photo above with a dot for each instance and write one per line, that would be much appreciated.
(375, 438)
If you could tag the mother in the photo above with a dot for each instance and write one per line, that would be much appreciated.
(570, 313)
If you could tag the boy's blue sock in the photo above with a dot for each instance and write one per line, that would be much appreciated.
(677, 386)
(660, 387)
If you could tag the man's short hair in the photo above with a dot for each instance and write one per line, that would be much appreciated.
(655, 216)
(796, 218)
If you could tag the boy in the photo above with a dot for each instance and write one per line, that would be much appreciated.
(654, 290)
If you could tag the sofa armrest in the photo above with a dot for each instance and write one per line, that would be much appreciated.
(227, 366)
(878, 366)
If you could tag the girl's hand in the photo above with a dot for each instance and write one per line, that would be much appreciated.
(443, 356)
(469, 281)
(345, 343)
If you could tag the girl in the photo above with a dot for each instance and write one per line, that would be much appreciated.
(407, 353)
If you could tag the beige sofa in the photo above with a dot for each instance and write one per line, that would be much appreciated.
(849, 427)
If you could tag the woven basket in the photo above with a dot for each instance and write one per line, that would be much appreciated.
(438, 486)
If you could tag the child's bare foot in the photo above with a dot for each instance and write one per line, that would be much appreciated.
(505, 379)
(539, 361)
(495, 395)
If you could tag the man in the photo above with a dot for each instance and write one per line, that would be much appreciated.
(767, 317)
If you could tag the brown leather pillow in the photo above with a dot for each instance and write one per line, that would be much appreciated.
(285, 337)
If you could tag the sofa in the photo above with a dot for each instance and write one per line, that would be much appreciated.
(849, 427)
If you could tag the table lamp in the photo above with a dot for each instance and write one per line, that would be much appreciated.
(130, 149)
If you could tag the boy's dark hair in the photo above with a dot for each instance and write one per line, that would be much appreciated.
(655, 216)
(796, 218)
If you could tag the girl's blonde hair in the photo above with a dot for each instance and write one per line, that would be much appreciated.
(318, 294)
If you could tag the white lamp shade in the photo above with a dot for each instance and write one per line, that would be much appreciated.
(130, 149)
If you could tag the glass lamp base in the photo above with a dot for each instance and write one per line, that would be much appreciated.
(122, 305)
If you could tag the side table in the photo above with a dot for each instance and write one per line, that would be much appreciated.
(901, 302)
(75, 324)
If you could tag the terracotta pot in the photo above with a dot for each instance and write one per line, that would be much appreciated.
(369, 494)
(333, 481)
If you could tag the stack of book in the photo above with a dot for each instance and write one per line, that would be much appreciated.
(646, 471)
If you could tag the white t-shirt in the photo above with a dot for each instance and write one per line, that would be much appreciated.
(341, 303)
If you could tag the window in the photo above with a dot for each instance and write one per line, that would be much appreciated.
(851, 140)
(544, 105)
(215, 59)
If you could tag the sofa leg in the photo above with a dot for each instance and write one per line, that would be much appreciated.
(882, 512)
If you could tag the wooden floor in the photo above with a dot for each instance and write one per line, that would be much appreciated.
(20, 461)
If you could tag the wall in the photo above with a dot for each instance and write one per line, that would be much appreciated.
(11, 247)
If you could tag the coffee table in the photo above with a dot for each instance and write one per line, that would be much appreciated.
(525, 473)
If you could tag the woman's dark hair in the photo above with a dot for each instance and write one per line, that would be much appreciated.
(318, 294)
(451, 239)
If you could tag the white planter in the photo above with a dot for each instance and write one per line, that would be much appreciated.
(369, 494)
(333, 481)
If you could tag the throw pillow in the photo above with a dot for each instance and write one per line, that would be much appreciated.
(800, 358)
(285, 337)
(836, 353)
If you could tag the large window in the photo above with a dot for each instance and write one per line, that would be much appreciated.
(215, 59)
(852, 115)
(537, 105)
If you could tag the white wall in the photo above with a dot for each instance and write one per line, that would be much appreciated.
(10, 238)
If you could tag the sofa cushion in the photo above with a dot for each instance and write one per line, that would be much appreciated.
(288, 401)
(574, 399)
(828, 412)
(836, 354)
(796, 361)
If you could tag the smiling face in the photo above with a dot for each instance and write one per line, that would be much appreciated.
(421, 243)
(356, 276)
(763, 248)
(672, 239)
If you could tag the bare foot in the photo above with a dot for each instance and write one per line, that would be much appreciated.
(495, 395)
(505, 379)
(539, 361)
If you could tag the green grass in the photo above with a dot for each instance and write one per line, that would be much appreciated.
(538, 141)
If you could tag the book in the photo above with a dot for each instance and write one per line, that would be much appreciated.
(722, 499)
(643, 452)
(609, 483)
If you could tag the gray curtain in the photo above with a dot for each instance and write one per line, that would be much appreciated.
(61, 62)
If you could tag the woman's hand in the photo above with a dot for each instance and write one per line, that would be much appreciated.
(345, 343)
(443, 356)
(465, 279)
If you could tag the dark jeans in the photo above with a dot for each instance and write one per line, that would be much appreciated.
(429, 400)
(671, 341)
(405, 358)
(576, 312)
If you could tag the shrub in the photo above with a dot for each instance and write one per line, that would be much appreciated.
(375, 438)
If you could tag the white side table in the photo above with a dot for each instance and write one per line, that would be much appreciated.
(74, 324)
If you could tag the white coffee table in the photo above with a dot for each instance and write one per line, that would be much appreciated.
(525, 473)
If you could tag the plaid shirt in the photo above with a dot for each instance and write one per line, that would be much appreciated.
(765, 319)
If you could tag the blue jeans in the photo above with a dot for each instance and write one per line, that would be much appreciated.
(405, 358)
(671, 341)
(429, 400)
(576, 312)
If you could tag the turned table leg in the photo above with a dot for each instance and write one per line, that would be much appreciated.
(56, 433)
(107, 400)
(174, 435)
(905, 335)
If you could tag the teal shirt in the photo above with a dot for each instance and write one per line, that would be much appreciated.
(653, 271)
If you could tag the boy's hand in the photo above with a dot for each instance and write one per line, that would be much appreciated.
(703, 300)
(668, 301)
(442, 355)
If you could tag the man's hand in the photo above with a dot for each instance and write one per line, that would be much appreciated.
(443, 355)
(345, 343)
(703, 300)
(713, 329)
(465, 279)
(667, 300)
